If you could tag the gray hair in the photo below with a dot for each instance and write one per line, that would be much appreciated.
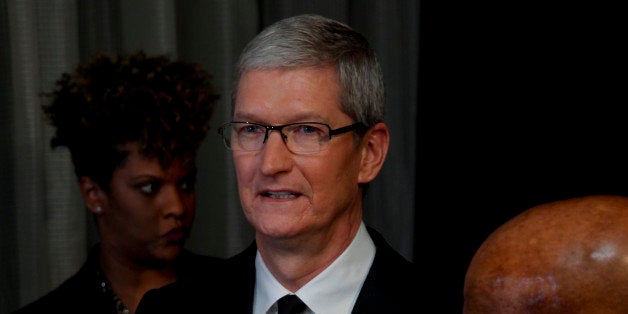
(315, 41)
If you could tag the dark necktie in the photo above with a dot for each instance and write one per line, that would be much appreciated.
(290, 304)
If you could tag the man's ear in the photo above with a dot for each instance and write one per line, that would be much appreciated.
(374, 149)
(93, 195)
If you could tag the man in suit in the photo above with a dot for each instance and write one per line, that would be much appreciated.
(307, 136)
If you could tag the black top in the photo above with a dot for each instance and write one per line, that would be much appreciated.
(82, 292)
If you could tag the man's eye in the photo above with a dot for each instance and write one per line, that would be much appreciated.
(305, 128)
(308, 129)
(251, 129)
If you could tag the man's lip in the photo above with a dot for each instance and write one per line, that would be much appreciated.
(267, 190)
(280, 194)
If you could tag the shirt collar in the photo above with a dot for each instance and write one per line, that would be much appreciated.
(334, 290)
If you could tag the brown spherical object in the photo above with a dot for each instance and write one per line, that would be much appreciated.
(568, 256)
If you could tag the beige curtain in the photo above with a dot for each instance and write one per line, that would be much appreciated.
(45, 230)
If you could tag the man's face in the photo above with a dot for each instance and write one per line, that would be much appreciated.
(285, 194)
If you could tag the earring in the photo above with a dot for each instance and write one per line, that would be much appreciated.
(98, 209)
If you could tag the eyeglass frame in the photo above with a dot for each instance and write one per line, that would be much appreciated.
(341, 130)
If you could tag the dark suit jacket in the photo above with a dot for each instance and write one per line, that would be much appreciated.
(391, 287)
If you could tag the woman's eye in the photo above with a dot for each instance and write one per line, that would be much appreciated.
(188, 184)
(148, 188)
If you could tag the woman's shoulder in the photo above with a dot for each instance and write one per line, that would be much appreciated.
(75, 295)
(192, 265)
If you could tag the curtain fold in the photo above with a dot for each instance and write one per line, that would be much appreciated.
(27, 153)
(150, 25)
(45, 228)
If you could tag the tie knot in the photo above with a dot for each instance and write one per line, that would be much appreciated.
(290, 304)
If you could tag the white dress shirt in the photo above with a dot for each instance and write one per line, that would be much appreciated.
(333, 291)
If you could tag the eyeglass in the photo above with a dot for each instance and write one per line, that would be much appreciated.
(300, 138)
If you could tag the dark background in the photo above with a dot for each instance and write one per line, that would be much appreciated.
(520, 103)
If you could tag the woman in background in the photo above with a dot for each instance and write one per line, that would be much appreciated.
(133, 125)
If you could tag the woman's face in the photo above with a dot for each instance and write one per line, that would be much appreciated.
(149, 211)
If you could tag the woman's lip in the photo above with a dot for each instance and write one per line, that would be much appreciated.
(175, 235)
